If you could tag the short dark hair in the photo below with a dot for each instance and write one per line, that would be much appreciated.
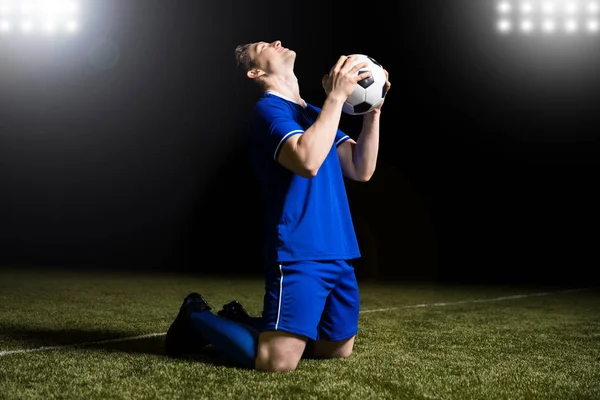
(242, 57)
(245, 63)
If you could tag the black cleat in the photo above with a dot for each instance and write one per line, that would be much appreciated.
(234, 311)
(181, 338)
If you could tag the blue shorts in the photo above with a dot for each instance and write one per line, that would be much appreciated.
(316, 299)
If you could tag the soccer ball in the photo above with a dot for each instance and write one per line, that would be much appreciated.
(368, 92)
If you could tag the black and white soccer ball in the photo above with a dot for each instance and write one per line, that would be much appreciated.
(368, 92)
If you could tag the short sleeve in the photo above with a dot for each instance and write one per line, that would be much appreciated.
(278, 123)
(340, 137)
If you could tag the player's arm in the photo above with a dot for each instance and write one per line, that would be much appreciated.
(304, 154)
(359, 158)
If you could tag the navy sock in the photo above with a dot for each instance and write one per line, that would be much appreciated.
(236, 341)
(254, 322)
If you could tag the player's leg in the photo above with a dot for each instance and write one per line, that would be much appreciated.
(339, 323)
(236, 312)
(279, 351)
(329, 349)
(333, 349)
(196, 323)
(181, 339)
(295, 294)
(294, 299)
(234, 340)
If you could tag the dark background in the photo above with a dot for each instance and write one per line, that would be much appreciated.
(123, 147)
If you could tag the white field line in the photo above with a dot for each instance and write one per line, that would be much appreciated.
(513, 297)
(66, 346)
(443, 304)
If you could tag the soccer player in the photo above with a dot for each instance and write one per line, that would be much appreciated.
(300, 157)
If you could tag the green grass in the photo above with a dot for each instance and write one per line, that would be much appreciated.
(423, 341)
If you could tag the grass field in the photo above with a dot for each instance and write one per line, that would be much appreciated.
(100, 336)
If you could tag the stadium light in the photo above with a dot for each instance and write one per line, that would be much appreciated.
(548, 16)
(40, 16)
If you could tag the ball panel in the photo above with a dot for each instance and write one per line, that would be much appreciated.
(362, 108)
(357, 96)
(379, 75)
(373, 95)
(369, 92)
(374, 62)
(348, 109)
(383, 91)
(366, 82)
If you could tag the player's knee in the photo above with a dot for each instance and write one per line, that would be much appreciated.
(340, 349)
(276, 364)
(343, 353)
(276, 360)
(279, 351)
(334, 353)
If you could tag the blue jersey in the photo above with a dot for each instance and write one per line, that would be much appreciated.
(304, 218)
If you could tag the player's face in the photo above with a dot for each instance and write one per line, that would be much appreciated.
(272, 57)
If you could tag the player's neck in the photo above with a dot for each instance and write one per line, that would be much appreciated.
(288, 87)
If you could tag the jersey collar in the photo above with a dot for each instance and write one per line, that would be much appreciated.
(284, 97)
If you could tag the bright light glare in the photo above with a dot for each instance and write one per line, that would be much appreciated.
(504, 26)
(47, 16)
(504, 7)
(526, 25)
(571, 26)
(26, 26)
(549, 26)
(550, 16)
(49, 26)
(571, 7)
(72, 26)
(526, 7)
(4, 26)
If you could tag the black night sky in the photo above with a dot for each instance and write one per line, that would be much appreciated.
(123, 147)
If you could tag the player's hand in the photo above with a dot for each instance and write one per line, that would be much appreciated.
(342, 77)
(388, 85)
